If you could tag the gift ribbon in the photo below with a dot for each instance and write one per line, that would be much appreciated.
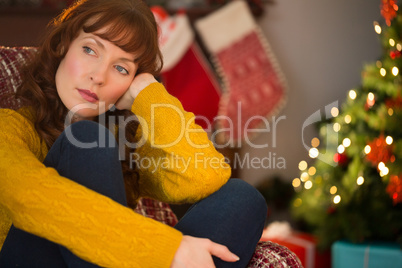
(366, 257)
(310, 249)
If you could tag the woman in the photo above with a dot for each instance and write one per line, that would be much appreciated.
(65, 154)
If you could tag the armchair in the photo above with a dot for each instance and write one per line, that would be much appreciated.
(267, 254)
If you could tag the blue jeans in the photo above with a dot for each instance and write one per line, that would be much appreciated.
(233, 216)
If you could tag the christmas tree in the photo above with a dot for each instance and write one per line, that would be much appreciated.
(353, 188)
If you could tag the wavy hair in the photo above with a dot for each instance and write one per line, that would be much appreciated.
(129, 25)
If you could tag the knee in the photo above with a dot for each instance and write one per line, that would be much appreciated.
(86, 139)
(88, 134)
(248, 197)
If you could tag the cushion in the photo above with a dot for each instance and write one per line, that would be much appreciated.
(156, 210)
(272, 255)
(11, 60)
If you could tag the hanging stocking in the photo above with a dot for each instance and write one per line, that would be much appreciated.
(186, 73)
(253, 85)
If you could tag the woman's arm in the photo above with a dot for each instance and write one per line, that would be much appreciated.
(176, 160)
(91, 225)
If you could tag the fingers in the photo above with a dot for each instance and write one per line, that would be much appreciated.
(193, 252)
(140, 82)
(222, 252)
(125, 102)
(196, 252)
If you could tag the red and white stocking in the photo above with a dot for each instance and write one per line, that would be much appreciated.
(253, 85)
(186, 73)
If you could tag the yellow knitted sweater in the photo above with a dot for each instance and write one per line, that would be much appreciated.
(38, 200)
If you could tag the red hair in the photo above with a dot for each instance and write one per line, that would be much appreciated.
(130, 25)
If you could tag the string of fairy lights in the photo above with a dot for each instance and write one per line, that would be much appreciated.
(307, 178)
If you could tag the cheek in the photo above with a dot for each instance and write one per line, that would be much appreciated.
(73, 67)
(118, 90)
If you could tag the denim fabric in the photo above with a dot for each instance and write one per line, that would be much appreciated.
(233, 216)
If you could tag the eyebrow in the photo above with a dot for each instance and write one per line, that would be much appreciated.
(98, 42)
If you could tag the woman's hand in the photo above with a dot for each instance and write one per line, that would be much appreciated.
(197, 252)
(140, 82)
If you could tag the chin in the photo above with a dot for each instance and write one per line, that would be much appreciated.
(83, 113)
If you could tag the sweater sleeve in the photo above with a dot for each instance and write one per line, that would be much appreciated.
(176, 160)
(92, 226)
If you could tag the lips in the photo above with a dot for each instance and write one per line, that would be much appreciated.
(88, 95)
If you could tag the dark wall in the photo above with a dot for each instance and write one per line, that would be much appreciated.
(23, 28)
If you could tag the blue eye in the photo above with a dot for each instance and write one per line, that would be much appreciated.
(88, 50)
(121, 70)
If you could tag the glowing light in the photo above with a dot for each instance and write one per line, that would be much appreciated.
(315, 142)
(395, 71)
(337, 127)
(312, 171)
(339, 158)
(383, 169)
(383, 72)
(370, 99)
(391, 42)
(304, 177)
(346, 142)
(302, 165)
(390, 111)
(348, 119)
(377, 27)
(296, 182)
(352, 94)
(399, 47)
(308, 185)
(367, 149)
(384, 172)
(341, 149)
(381, 165)
(337, 199)
(360, 180)
(313, 153)
(389, 140)
(298, 202)
(333, 190)
(334, 111)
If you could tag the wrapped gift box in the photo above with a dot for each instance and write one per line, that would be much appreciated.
(302, 244)
(366, 255)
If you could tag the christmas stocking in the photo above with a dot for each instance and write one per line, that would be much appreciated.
(253, 85)
(186, 73)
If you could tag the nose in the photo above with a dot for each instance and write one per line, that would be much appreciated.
(98, 75)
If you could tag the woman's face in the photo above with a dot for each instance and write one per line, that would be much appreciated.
(93, 75)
